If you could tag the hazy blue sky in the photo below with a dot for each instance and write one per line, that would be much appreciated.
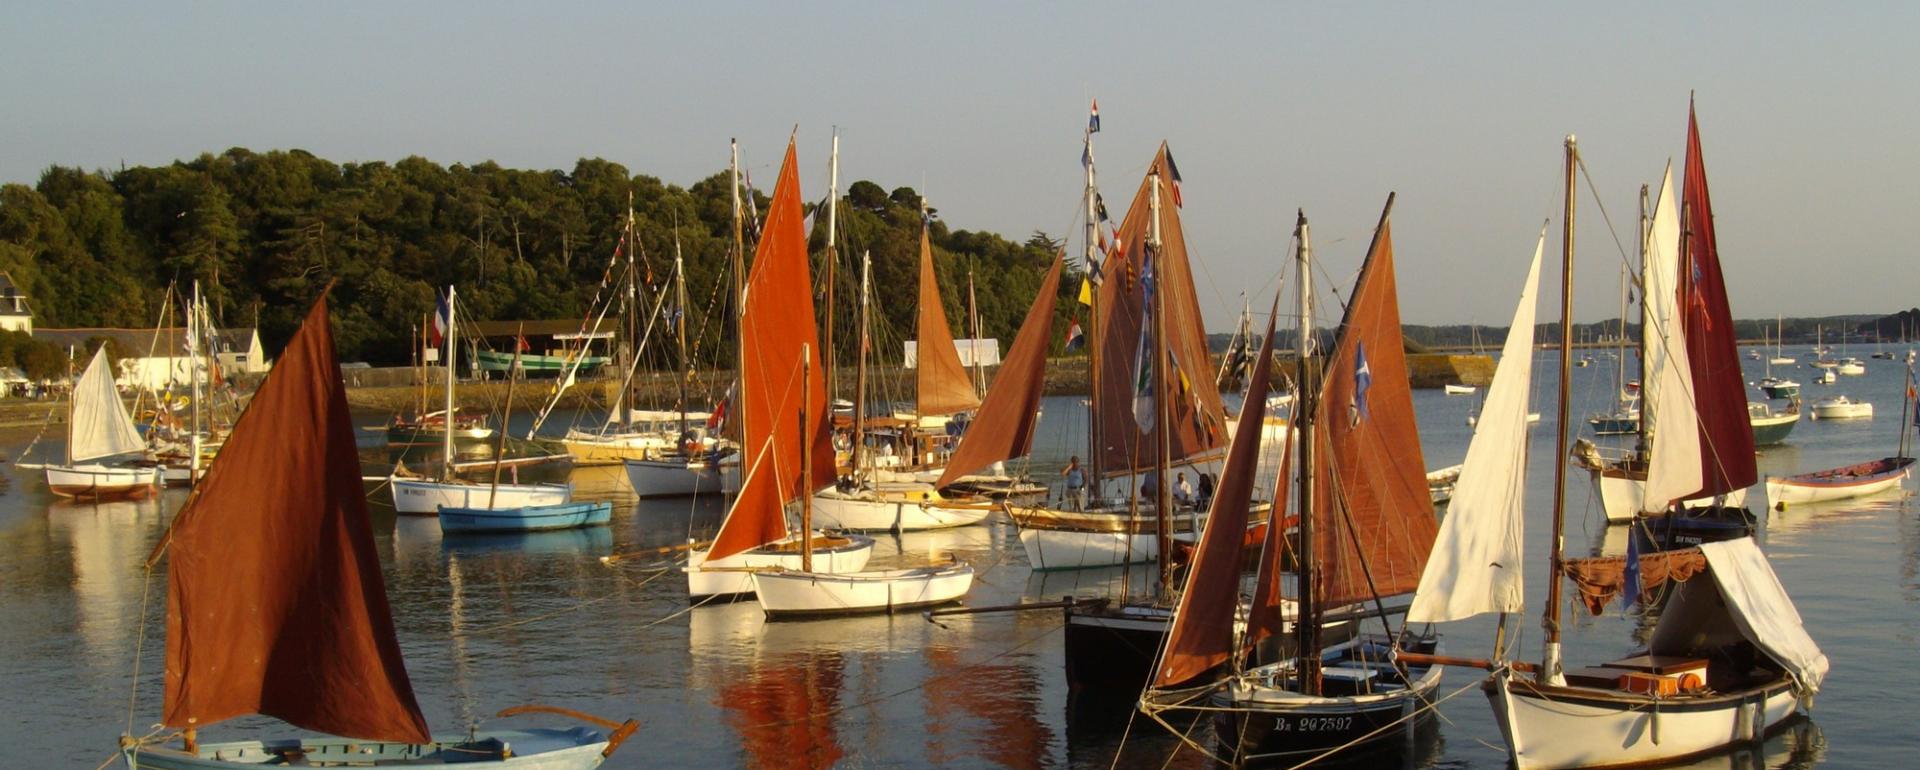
(1808, 113)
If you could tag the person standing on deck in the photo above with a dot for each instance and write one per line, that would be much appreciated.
(1076, 484)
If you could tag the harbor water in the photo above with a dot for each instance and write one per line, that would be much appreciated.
(598, 620)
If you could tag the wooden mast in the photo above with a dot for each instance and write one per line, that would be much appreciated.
(806, 458)
(1163, 441)
(973, 319)
(1306, 617)
(453, 354)
(860, 364)
(1094, 258)
(195, 332)
(506, 413)
(632, 398)
(827, 357)
(680, 325)
(1556, 568)
(739, 418)
(1641, 439)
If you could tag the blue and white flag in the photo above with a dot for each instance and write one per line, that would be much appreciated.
(1362, 380)
(1630, 584)
(1144, 405)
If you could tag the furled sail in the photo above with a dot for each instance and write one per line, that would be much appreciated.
(1373, 518)
(275, 602)
(1194, 417)
(1673, 470)
(1719, 384)
(101, 427)
(1004, 428)
(1202, 634)
(941, 384)
(779, 335)
(1475, 565)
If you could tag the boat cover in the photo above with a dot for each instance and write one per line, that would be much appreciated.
(1749, 604)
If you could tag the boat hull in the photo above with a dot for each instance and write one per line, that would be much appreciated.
(895, 511)
(1567, 727)
(1621, 493)
(1850, 410)
(732, 577)
(680, 477)
(528, 519)
(537, 749)
(1839, 483)
(1267, 724)
(1773, 429)
(792, 594)
(590, 449)
(420, 497)
(1102, 537)
(102, 482)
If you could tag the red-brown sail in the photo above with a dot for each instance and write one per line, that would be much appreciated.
(1193, 413)
(777, 328)
(1373, 518)
(1265, 617)
(1202, 634)
(275, 602)
(1713, 355)
(1004, 427)
(941, 385)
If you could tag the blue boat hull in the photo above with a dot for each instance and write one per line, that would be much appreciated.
(533, 518)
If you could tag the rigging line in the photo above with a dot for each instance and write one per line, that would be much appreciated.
(1611, 231)
(139, 644)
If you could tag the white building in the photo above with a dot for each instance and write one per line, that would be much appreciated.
(157, 358)
(985, 351)
(15, 314)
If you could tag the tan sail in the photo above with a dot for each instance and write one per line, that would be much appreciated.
(941, 385)
(1195, 418)
(275, 602)
(1004, 428)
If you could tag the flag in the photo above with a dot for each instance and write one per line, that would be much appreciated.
(1173, 170)
(1698, 298)
(1144, 407)
(718, 419)
(1086, 298)
(1095, 272)
(441, 315)
(1076, 339)
(520, 344)
(1362, 380)
(1100, 208)
(1630, 585)
(1093, 118)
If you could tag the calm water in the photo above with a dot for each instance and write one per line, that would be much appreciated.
(488, 623)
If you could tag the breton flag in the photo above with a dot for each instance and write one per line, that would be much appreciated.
(1630, 584)
(1173, 170)
(442, 313)
(1093, 118)
(1144, 407)
(1076, 339)
(1100, 207)
(1362, 380)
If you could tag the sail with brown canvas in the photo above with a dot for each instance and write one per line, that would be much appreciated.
(276, 605)
(941, 385)
(1003, 429)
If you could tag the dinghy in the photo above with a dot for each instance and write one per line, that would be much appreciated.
(529, 518)
(98, 428)
(1857, 480)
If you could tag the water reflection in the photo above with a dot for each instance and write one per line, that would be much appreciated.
(109, 543)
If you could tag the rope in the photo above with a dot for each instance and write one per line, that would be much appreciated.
(1430, 706)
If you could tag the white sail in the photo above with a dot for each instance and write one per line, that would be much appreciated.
(1475, 564)
(101, 427)
(1667, 409)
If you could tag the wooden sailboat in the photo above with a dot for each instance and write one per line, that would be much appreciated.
(1366, 528)
(425, 497)
(684, 459)
(1144, 419)
(99, 431)
(1003, 429)
(1684, 381)
(781, 382)
(1689, 692)
(1856, 480)
(941, 388)
(777, 329)
(276, 605)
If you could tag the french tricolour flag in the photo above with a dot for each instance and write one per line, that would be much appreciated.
(442, 314)
(1093, 118)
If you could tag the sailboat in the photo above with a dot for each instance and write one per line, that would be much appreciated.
(1856, 480)
(784, 402)
(99, 429)
(1780, 357)
(1366, 529)
(777, 334)
(1003, 428)
(1675, 386)
(1625, 417)
(1727, 660)
(276, 605)
(941, 388)
(1147, 418)
(1778, 387)
(424, 497)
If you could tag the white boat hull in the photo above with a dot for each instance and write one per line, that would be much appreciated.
(420, 497)
(1621, 496)
(676, 477)
(1557, 729)
(783, 594)
(95, 482)
(733, 577)
(1780, 492)
(1063, 540)
(1843, 411)
(894, 510)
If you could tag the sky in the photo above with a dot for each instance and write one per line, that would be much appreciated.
(1807, 114)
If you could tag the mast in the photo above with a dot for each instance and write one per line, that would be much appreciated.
(860, 364)
(1162, 443)
(1306, 625)
(632, 396)
(973, 316)
(806, 458)
(1092, 202)
(680, 325)
(1550, 656)
(739, 299)
(827, 358)
(1641, 440)
(506, 413)
(421, 359)
(453, 353)
(195, 333)
(73, 393)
